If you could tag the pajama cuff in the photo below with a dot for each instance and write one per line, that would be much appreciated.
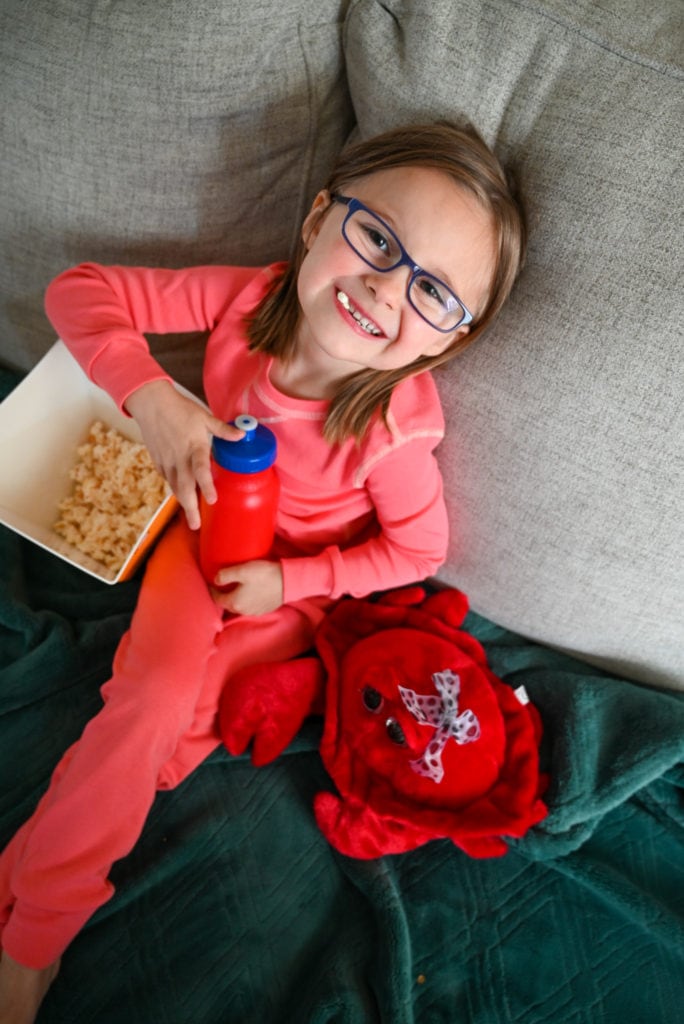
(37, 938)
(308, 577)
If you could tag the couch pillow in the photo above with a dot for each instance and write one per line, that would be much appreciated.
(157, 133)
(564, 454)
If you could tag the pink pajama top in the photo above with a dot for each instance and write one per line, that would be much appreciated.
(353, 518)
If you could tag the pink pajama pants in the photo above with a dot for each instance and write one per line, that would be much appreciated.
(157, 724)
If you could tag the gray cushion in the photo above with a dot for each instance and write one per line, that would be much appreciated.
(563, 460)
(157, 133)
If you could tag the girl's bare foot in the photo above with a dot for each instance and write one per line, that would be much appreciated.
(22, 990)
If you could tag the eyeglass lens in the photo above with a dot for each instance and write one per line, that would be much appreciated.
(379, 247)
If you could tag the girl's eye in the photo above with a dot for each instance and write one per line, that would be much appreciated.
(372, 699)
(431, 292)
(395, 732)
(377, 240)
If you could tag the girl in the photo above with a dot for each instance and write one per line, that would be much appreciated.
(333, 352)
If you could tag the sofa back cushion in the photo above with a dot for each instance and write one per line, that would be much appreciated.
(160, 134)
(563, 457)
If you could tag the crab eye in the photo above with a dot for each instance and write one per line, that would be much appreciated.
(395, 732)
(372, 699)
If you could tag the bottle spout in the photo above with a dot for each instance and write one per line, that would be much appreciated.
(248, 424)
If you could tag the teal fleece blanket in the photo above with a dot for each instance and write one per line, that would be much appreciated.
(233, 909)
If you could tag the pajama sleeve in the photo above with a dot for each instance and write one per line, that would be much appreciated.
(405, 487)
(102, 314)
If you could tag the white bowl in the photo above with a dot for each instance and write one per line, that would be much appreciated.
(42, 422)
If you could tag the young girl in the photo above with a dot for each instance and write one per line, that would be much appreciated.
(405, 257)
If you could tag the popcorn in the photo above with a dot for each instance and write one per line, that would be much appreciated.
(116, 492)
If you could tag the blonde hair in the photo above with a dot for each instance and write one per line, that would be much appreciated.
(459, 152)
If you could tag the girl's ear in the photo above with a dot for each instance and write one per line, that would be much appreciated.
(314, 218)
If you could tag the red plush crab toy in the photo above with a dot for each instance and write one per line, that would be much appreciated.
(420, 737)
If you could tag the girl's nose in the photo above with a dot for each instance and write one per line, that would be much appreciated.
(388, 287)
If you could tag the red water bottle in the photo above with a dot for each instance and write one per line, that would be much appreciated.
(240, 526)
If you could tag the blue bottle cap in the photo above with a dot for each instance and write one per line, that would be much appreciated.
(252, 453)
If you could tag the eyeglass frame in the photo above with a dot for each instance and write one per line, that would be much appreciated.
(353, 205)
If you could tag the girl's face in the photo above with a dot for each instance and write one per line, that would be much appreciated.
(446, 232)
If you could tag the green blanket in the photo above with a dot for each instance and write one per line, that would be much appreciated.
(233, 909)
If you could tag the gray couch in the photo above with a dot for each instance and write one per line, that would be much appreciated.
(176, 133)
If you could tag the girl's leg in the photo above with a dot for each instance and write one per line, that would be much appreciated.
(22, 990)
(101, 792)
(157, 725)
(12, 853)
(283, 634)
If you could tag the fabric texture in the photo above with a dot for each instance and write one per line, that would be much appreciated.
(346, 523)
(563, 456)
(153, 134)
(234, 909)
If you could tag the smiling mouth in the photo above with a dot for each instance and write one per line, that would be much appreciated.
(368, 325)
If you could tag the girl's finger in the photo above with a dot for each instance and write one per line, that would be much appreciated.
(201, 469)
(192, 514)
(226, 596)
(186, 492)
(225, 430)
(228, 574)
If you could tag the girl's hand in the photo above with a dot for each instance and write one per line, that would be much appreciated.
(177, 432)
(257, 588)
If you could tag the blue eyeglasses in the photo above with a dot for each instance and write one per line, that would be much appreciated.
(378, 246)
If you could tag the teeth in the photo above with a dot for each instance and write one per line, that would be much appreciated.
(367, 325)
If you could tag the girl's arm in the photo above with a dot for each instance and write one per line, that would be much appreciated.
(102, 315)
(406, 488)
